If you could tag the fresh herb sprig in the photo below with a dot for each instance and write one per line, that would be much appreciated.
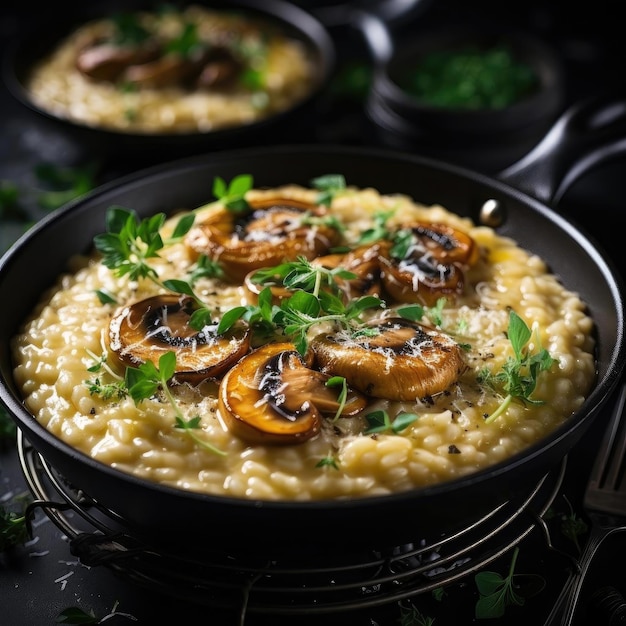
(329, 186)
(14, 528)
(328, 461)
(411, 616)
(146, 380)
(130, 243)
(8, 429)
(497, 592)
(573, 526)
(379, 230)
(302, 274)
(233, 195)
(76, 615)
(309, 305)
(381, 422)
(518, 375)
(143, 382)
(63, 184)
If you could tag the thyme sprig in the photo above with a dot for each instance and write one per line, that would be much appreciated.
(14, 527)
(518, 375)
(496, 592)
(309, 305)
(233, 195)
(143, 382)
(381, 422)
(146, 380)
(329, 186)
(130, 243)
(8, 429)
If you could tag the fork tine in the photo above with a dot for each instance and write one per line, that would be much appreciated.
(606, 488)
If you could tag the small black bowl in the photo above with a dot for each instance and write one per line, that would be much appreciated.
(487, 139)
(147, 148)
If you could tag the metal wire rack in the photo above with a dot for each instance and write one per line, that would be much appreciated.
(298, 585)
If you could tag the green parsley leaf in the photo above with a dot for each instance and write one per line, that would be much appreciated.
(518, 375)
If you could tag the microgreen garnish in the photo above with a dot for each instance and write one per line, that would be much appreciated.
(186, 42)
(8, 429)
(328, 461)
(380, 422)
(14, 528)
(233, 194)
(63, 183)
(76, 615)
(311, 303)
(378, 230)
(201, 317)
(339, 381)
(496, 592)
(9, 201)
(116, 389)
(129, 244)
(573, 526)
(128, 29)
(205, 268)
(105, 297)
(329, 186)
(410, 615)
(518, 375)
(415, 312)
(301, 274)
(144, 381)
(106, 391)
(403, 240)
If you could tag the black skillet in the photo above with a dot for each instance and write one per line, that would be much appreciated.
(162, 514)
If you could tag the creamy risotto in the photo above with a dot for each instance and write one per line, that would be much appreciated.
(329, 406)
(173, 72)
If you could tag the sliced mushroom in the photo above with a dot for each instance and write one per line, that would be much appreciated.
(403, 361)
(145, 330)
(444, 242)
(274, 231)
(107, 61)
(252, 289)
(166, 71)
(271, 397)
(364, 262)
(220, 68)
(433, 266)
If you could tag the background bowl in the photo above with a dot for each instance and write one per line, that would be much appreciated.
(151, 147)
(488, 139)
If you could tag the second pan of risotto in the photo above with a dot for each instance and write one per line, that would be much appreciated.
(306, 333)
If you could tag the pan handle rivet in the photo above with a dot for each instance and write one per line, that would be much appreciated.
(492, 213)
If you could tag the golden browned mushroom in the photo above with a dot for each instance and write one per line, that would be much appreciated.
(166, 71)
(252, 289)
(364, 262)
(271, 397)
(107, 61)
(219, 68)
(433, 266)
(444, 242)
(145, 330)
(404, 361)
(275, 230)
